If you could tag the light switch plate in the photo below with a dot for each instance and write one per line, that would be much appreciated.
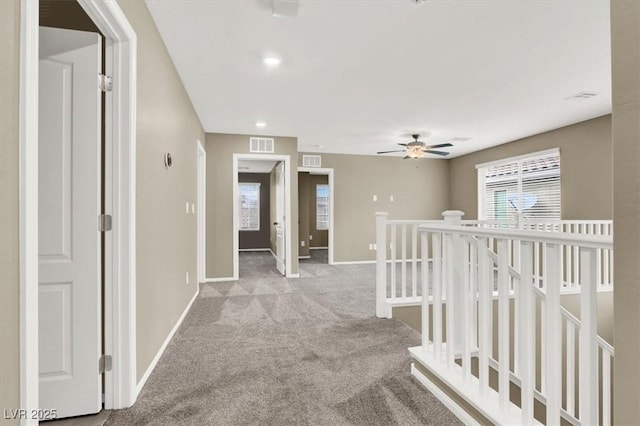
(186, 207)
(390, 197)
(193, 208)
(375, 198)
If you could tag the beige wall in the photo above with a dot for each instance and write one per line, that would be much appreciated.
(9, 222)
(220, 148)
(303, 213)
(625, 31)
(166, 235)
(586, 162)
(420, 190)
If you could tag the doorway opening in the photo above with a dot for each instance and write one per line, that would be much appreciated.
(77, 311)
(315, 212)
(261, 212)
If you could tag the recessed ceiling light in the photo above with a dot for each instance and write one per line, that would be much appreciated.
(271, 61)
(261, 124)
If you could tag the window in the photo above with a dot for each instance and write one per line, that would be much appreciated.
(249, 206)
(322, 207)
(528, 184)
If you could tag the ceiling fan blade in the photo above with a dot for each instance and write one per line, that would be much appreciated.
(402, 144)
(387, 152)
(429, 151)
(441, 145)
(406, 158)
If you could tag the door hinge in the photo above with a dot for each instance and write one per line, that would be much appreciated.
(105, 363)
(104, 222)
(106, 82)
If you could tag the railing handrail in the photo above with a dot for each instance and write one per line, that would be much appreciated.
(582, 240)
(411, 221)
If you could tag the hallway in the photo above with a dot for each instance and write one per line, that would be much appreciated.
(268, 350)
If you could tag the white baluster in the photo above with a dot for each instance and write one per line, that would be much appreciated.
(553, 335)
(404, 262)
(526, 332)
(436, 263)
(485, 289)
(450, 321)
(394, 253)
(503, 323)
(571, 366)
(414, 261)
(588, 338)
(606, 387)
(382, 309)
(473, 277)
(466, 312)
(424, 249)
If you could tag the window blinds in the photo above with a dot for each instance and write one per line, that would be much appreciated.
(249, 206)
(322, 207)
(529, 185)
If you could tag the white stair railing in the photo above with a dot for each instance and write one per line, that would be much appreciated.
(470, 278)
(400, 263)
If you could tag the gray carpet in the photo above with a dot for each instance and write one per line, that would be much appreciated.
(273, 351)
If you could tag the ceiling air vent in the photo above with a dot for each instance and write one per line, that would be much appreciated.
(581, 95)
(311, 161)
(262, 145)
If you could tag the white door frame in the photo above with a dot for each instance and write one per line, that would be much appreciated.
(287, 208)
(120, 158)
(325, 172)
(202, 211)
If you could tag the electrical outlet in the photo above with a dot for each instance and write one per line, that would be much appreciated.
(310, 237)
(302, 243)
(375, 246)
(193, 208)
(375, 198)
(187, 278)
(370, 246)
(390, 197)
(186, 207)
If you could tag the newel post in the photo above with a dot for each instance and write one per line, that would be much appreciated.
(382, 308)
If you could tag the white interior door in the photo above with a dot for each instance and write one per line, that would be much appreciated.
(280, 223)
(69, 205)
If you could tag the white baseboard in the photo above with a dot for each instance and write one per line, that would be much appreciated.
(217, 280)
(304, 257)
(365, 262)
(256, 249)
(318, 248)
(293, 275)
(354, 262)
(155, 360)
(453, 406)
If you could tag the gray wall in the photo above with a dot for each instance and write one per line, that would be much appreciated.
(9, 213)
(585, 159)
(420, 189)
(166, 235)
(220, 150)
(625, 37)
(258, 239)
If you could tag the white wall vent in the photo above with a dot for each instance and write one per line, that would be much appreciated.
(263, 145)
(311, 161)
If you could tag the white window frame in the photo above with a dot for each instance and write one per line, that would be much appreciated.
(482, 166)
(257, 186)
(324, 228)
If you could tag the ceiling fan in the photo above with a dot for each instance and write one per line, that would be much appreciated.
(417, 149)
